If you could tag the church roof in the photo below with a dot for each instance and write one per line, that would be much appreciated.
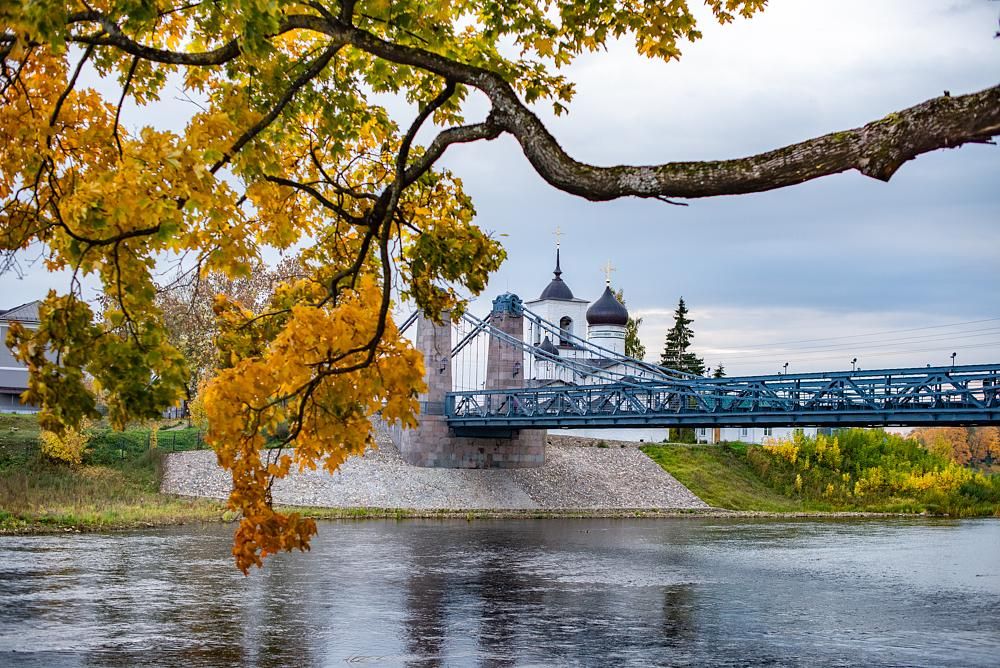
(557, 288)
(607, 310)
(548, 347)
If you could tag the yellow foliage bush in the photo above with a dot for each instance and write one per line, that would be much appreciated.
(946, 480)
(196, 407)
(69, 447)
(786, 450)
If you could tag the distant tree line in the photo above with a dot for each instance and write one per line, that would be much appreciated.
(968, 446)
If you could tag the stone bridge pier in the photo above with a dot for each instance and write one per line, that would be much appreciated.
(433, 443)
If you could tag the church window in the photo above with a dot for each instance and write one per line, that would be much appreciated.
(565, 330)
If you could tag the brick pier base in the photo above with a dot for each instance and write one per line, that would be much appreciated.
(432, 444)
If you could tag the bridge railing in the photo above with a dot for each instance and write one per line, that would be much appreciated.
(933, 395)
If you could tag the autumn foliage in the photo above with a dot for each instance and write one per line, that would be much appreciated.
(876, 470)
(968, 446)
(288, 145)
(68, 446)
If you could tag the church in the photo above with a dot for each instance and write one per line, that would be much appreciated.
(592, 334)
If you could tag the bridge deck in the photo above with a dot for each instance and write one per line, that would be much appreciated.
(964, 395)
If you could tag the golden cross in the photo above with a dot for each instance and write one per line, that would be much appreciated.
(558, 234)
(608, 268)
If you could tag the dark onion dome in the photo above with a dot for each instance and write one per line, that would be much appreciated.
(548, 347)
(607, 310)
(557, 289)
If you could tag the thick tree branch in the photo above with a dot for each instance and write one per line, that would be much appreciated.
(877, 149)
(458, 135)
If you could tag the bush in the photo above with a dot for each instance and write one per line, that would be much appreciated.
(869, 468)
(68, 447)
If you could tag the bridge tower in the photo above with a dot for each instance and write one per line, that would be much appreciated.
(433, 443)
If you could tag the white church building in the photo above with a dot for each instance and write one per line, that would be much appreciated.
(603, 323)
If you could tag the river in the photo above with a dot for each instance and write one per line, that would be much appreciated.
(513, 593)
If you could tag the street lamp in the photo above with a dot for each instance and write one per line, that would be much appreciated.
(786, 368)
(854, 363)
(953, 360)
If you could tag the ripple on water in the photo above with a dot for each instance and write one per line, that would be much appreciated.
(552, 592)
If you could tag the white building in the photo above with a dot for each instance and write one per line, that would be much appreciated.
(603, 323)
(13, 374)
(756, 435)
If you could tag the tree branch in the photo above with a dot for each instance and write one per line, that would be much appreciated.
(877, 149)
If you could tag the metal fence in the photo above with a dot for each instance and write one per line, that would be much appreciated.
(107, 447)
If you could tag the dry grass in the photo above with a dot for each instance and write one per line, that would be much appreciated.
(44, 496)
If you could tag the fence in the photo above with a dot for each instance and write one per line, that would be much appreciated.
(106, 447)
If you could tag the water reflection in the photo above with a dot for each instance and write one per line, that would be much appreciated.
(598, 592)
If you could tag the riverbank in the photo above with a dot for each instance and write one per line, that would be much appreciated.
(583, 478)
(865, 471)
(614, 478)
(38, 496)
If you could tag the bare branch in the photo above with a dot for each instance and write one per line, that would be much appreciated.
(877, 149)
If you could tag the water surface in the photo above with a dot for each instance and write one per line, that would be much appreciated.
(513, 593)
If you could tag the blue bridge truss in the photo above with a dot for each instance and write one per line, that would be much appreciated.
(928, 396)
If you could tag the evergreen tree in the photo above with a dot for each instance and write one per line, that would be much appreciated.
(675, 349)
(633, 346)
(720, 371)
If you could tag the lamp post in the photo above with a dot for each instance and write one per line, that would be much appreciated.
(786, 368)
(854, 363)
(953, 360)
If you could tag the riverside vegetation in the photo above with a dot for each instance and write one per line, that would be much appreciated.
(97, 479)
(853, 470)
(114, 483)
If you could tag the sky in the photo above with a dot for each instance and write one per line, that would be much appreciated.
(897, 274)
(826, 263)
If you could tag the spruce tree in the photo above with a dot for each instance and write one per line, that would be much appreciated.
(720, 371)
(675, 348)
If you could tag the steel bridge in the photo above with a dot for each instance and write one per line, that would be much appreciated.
(598, 388)
(964, 395)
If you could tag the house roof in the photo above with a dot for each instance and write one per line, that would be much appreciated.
(27, 312)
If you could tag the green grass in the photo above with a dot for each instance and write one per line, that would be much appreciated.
(41, 496)
(720, 477)
(18, 438)
(19, 442)
(735, 476)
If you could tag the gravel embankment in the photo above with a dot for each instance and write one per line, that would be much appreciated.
(573, 477)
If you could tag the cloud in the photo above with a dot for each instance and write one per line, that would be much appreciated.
(839, 256)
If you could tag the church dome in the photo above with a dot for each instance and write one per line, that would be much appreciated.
(557, 288)
(548, 347)
(607, 311)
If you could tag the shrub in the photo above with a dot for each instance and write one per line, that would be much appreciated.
(68, 447)
(869, 468)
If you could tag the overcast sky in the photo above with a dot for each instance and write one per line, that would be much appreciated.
(838, 257)
(824, 265)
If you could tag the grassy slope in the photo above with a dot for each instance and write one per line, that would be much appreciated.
(721, 479)
(40, 495)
